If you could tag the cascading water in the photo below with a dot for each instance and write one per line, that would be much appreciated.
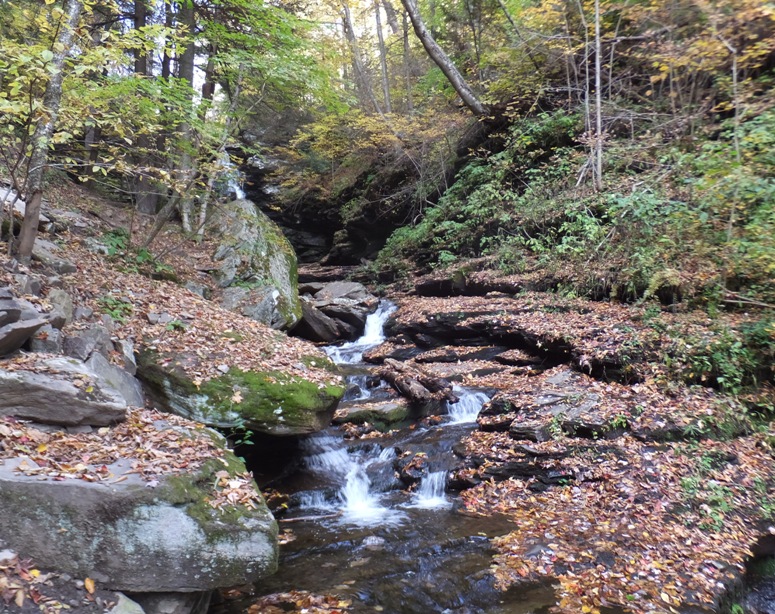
(468, 407)
(373, 334)
(431, 493)
(361, 477)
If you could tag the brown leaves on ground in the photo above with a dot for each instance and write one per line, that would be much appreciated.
(25, 588)
(149, 444)
(649, 528)
(217, 337)
(299, 601)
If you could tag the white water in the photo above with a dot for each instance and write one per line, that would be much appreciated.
(468, 407)
(356, 501)
(374, 334)
(431, 493)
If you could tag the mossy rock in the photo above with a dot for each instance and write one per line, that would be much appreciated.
(131, 535)
(269, 402)
(255, 256)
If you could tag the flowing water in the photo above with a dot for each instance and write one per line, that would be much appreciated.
(361, 534)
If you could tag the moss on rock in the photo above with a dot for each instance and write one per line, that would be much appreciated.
(269, 402)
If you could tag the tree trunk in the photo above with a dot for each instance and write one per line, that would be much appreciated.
(598, 103)
(442, 60)
(362, 79)
(392, 17)
(383, 60)
(185, 170)
(146, 196)
(45, 129)
(407, 65)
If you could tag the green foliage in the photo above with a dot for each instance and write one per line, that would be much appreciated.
(734, 360)
(117, 307)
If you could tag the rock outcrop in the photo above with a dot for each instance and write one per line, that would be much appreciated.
(195, 524)
(271, 402)
(254, 254)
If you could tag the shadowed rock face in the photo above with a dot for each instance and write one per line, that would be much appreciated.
(128, 536)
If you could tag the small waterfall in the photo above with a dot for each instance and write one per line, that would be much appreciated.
(468, 407)
(431, 492)
(356, 500)
(352, 352)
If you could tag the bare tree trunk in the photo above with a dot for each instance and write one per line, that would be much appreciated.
(392, 16)
(362, 79)
(598, 103)
(407, 65)
(45, 129)
(146, 197)
(383, 60)
(185, 170)
(442, 60)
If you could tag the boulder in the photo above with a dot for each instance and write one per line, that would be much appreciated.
(47, 339)
(381, 413)
(60, 391)
(48, 253)
(94, 339)
(63, 302)
(347, 290)
(270, 402)
(15, 335)
(131, 535)
(118, 379)
(259, 303)
(316, 325)
(256, 252)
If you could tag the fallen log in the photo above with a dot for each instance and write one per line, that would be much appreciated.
(418, 387)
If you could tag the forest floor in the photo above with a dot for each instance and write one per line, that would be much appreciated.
(632, 480)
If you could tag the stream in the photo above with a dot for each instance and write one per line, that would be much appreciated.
(359, 534)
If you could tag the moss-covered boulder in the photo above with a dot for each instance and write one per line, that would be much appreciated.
(273, 402)
(254, 255)
(170, 510)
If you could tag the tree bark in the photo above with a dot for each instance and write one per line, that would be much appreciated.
(383, 60)
(185, 170)
(407, 65)
(392, 16)
(418, 387)
(442, 60)
(45, 129)
(362, 80)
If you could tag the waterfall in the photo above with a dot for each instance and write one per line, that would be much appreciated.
(356, 499)
(468, 407)
(431, 492)
(352, 352)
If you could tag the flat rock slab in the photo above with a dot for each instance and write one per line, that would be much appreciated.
(15, 335)
(128, 536)
(62, 392)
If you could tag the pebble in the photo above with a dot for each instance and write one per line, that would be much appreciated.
(7, 556)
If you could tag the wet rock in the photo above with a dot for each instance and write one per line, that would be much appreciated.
(412, 468)
(173, 603)
(64, 392)
(315, 325)
(380, 413)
